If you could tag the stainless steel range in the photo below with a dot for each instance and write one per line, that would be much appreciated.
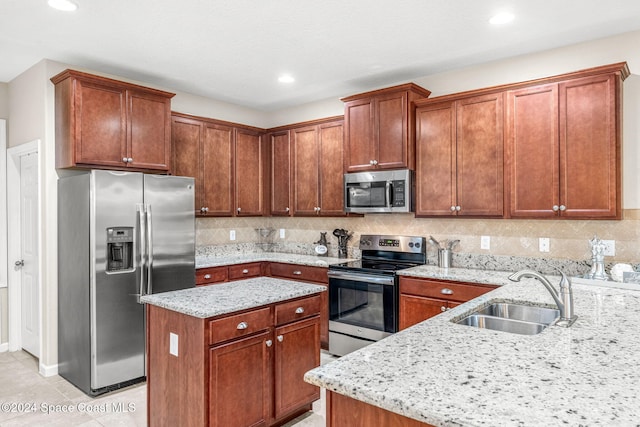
(363, 294)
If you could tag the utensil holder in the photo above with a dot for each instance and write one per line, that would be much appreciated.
(444, 258)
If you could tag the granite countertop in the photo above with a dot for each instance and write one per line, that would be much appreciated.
(224, 298)
(446, 374)
(458, 274)
(315, 261)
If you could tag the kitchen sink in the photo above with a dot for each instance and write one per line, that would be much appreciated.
(513, 318)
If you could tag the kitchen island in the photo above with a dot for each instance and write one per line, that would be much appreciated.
(232, 354)
(444, 374)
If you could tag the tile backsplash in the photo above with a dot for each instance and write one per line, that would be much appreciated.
(569, 239)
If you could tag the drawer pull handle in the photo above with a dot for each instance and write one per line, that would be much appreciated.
(242, 325)
(299, 310)
(245, 271)
(269, 343)
(446, 291)
(207, 276)
(297, 272)
(280, 338)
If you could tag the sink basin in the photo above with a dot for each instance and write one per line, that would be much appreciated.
(526, 313)
(513, 318)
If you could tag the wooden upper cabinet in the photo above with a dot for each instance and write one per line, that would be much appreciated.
(318, 169)
(459, 157)
(107, 124)
(379, 128)
(227, 161)
(249, 172)
(281, 188)
(563, 144)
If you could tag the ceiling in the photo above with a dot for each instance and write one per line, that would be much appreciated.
(234, 50)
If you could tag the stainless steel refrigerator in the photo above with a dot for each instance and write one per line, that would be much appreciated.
(121, 235)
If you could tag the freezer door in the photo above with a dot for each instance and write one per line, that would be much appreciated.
(169, 203)
(117, 320)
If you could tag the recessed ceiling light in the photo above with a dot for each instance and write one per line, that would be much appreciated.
(286, 78)
(64, 5)
(502, 18)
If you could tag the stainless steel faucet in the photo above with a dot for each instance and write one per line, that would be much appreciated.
(564, 300)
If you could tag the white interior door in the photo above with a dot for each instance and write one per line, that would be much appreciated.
(28, 264)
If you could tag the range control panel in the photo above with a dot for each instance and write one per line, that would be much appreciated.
(413, 244)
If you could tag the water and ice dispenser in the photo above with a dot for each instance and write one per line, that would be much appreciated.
(119, 249)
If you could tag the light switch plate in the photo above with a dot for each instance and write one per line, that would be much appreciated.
(485, 242)
(282, 233)
(173, 344)
(543, 244)
(232, 235)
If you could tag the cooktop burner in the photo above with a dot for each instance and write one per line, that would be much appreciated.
(375, 266)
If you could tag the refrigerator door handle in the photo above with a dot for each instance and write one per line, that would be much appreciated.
(140, 212)
(149, 251)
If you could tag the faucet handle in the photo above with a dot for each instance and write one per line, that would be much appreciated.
(565, 282)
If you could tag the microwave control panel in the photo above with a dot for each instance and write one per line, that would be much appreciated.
(398, 193)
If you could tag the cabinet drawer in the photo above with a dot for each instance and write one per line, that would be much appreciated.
(243, 271)
(239, 325)
(211, 275)
(299, 309)
(451, 291)
(299, 272)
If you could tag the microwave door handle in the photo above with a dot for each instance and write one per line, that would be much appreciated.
(389, 193)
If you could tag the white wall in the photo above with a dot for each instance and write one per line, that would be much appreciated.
(4, 101)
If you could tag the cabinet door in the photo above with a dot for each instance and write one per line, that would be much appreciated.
(391, 131)
(330, 140)
(217, 175)
(532, 151)
(479, 155)
(186, 135)
(249, 169)
(149, 130)
(589, 151)
(415, 309)
(435, 160)
(240, 382)
(280, 173)
(305, 169)
(100, 125)
(297, 350)
(359, 135)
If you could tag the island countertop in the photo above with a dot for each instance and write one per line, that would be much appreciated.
(446, 374)
(225, 298)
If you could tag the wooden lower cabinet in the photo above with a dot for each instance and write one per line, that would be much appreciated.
(211, 275)
(343, 411)
(229, 376)
(421, 299)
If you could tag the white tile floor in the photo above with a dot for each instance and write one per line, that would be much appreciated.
(29, 399)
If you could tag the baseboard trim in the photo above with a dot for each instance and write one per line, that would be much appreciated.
(48, 371)
(4, 347)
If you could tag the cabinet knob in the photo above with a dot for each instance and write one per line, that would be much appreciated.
(563, 208)
(446, 291)
(245, 271)
(280, 338)
(242, 325)
(318, 209)
(124, 159)
(239, 209)
(269, 343)
(452, 208)
(297, 272)
(299, 310)
(443, 308)
(372, 162)
(555, 208)
(286, 209)
(129, 160)
(207, 276)
(458, 208)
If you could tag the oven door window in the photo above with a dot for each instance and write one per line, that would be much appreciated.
(367, 195)
(362, 304)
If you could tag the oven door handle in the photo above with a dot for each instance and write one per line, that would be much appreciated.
(378, 280)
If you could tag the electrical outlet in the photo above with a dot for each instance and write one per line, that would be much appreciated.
(543, 244)
(232, 235)
(609, 247)
(282, 233)
(485, 242)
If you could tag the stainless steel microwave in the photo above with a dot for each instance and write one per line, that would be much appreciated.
(379, 192)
